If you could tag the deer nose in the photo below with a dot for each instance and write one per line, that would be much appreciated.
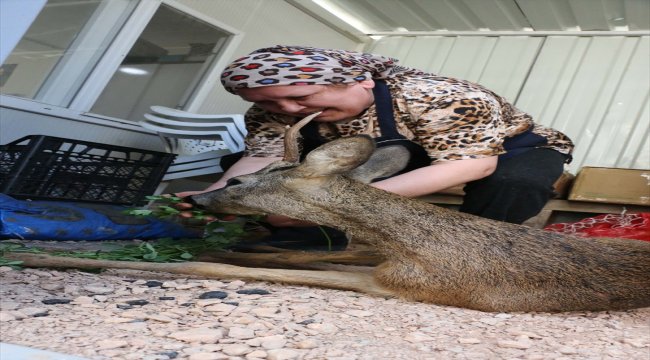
(192, 202)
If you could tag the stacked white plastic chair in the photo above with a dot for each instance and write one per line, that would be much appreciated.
(200, 140)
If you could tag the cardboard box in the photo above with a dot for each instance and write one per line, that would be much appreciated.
(612, 185)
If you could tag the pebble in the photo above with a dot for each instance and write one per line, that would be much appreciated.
(236, 349)
(200, 335)
(160, 317)
(257, 354)
(83, 300)
(98, 289)
(417, 337)
(223, 309)
(307, 344)
(117, 320)
(639, 343)
(55, 301)
(469, 341)
(241, 333)
(169, 284)
(169, 354)
(52, 286)
(208, 302)
(17, 314)
(71, 289)
(266, 312)
(568, 350)
(34, 311)
(6, 316)
(138, 302)
(207, 356)
(514, 344)
(245, 320)
(9, 305)
(272, 342)
(139, 290)
(111, 344)
(253, 292)
(282, 354)
(529, 334)
(187, 286)
(153, 283)
(324, 328)
(359, 313)
(214, 295)
(234, 285)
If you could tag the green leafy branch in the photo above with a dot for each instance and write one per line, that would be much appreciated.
(217, 234)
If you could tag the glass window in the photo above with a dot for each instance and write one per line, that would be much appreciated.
(61, 48)
(164, 66)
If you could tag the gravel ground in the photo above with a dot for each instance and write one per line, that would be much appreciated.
(121, 314)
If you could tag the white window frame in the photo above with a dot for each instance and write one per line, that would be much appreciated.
(99, 78)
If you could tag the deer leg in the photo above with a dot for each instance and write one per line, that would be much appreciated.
(355, 281)
(297, 259)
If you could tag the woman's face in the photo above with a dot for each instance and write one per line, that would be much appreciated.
(337, 102)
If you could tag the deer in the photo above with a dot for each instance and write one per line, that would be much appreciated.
(427, 253)
(434, 254)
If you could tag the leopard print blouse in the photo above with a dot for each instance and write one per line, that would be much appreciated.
(451, 119)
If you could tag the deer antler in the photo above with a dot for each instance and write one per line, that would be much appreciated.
(291, 151)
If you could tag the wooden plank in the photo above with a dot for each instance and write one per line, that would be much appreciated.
(583, 206)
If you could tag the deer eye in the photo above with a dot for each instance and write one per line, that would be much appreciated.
(232, 182)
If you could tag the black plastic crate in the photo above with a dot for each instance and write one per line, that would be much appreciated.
(51, 168)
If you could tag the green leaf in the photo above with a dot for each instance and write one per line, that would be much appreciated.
(217, 235)
(150, 256)
(139, 212)
(168, 209)
(154, 197)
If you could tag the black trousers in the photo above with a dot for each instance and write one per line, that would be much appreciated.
(518, 189)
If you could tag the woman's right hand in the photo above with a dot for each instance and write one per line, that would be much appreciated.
(185, 194)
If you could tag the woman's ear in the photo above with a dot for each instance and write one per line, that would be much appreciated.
(367, 84)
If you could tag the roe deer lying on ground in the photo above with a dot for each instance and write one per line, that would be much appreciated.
(434, 254)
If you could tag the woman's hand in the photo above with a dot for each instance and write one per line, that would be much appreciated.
(185, 194)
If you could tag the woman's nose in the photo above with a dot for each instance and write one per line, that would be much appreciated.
(289, 106)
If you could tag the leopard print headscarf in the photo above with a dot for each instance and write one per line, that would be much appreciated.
(300, 65)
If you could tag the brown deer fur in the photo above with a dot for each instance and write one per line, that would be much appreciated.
(438, 255)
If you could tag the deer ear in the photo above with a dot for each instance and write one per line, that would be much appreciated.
(337, 157)
(385, 161)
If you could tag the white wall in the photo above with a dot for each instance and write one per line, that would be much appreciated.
(15, 124)
(263, 23)
(595, 89)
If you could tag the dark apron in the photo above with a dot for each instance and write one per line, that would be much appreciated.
(389, 135)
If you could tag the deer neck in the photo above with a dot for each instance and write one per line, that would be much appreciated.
(355, 207)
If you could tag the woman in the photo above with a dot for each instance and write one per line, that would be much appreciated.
(458, 132)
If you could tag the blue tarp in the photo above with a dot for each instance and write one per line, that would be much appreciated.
(59, 220)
